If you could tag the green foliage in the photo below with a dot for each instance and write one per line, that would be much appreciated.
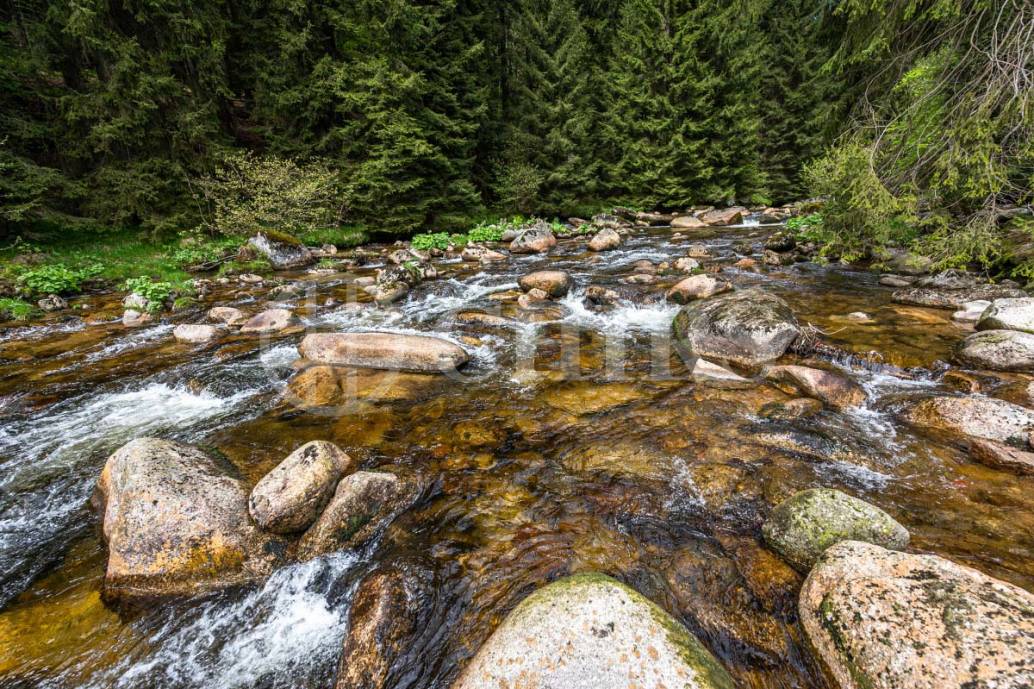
(15, 309)
(247, 193)
(436, 240)
(55, 278)
(156, 293)
(860, 213)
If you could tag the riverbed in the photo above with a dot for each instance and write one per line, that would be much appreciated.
(573, 442)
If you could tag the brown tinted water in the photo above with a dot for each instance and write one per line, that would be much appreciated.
(632, 469)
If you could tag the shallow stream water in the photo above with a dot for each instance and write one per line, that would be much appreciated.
(575, 442)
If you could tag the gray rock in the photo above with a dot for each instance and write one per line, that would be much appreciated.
(555, 283)
(605, 240)
(363, 503)
(227, 314)
(283, 254)
(971, 416)
(997, 350)
(52, 303)
(970, 312)
(386, 351)
(269, 321)
(194, 334)
(954, 298)
(749, 327)
(832, 388)
(290, 497)
(175, 523)
(591, 632)
(886, 620)
(801, 528)
(1009, 314)
(697, 287)
(536, 239)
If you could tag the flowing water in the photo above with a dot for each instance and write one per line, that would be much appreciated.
(575, 441)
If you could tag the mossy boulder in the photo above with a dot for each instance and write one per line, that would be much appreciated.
(1009, 314)
(804, 526)
(283, 251)
(879, 619)
(997, 350)
(749, 328)
(589, 630)
(971, 416)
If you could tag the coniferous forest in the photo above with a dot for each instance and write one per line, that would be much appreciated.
(915, 114)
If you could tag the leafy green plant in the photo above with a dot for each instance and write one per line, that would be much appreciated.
(156, 293)
(435, 240)
(55, 278)
(486, 233)
(15, 309)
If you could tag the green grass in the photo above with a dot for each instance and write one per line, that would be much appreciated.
(341, 237)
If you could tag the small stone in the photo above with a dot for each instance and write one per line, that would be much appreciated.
(52, 303)
(697, 287)
(227, 314)
(605, 240)
(833, 389)
(533, 297)
(555, 283)
(133, 319)
(269, 321)
(194, 334)
(687, 264)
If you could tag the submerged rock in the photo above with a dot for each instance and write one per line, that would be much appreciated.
(978, 417)
(555, 283)
(322, 386)
(749, 327)
(290, 497)
(801, 528)
(269, 321)
(1008, 314)
(833, 389)
(175, 523)
(381, 617)
(388, 351)
(589, 631)
(363, 503)
(997, 350)
(1002, 456)
(282, 251)
(536, 239)
(886, 620)
(605, 240)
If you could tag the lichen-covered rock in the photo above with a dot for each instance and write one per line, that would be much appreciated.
(282, 251)
(589, 631)
(555, 283)
(536, 239)
(997, 350)
(1008, 314)
(833, 389)
(175, 523)
(363, 503)
(880, 619)
(269, 321)
(696, 287)
(605, 240)
(382, 616)
(801, 528)
(749, 327)
(386, 351)
(971, 416)
(290, 497)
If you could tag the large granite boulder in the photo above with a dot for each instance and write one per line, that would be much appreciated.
(997, 350)
(749, 328)
(592, 632)
(1008, 314)
(725, 216)
(801, 528)
(176, 523)
(880, 619)
(386, 351)
(290, 497)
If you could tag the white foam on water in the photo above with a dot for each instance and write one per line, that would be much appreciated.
(134, 340)
(280, 356)
(288, 628)
(864, 477)
(620, 319)
(686, 496)
(35, 332)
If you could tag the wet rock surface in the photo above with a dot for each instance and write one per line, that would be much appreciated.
(591, 631)
(414, 353)
(997, 350)
(292, 496)
(804, 526)
(892, 620)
